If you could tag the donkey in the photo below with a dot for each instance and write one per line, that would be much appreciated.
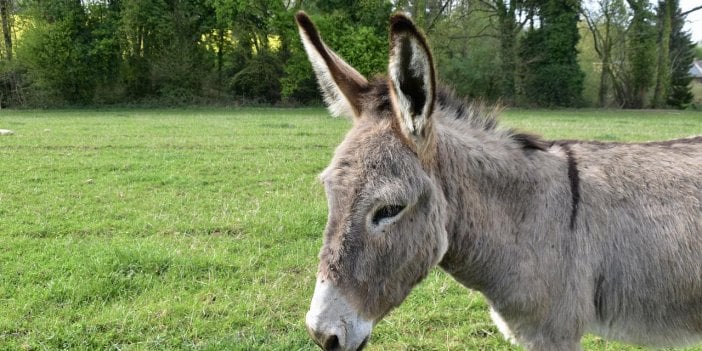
(561, 237)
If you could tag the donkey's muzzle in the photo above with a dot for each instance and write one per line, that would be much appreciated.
(330, 342)
(333, 323)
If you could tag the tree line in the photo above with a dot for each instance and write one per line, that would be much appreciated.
(165, 52)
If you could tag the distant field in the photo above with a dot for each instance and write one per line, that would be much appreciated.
(199, 229)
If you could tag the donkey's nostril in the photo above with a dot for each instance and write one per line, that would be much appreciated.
(316, 336)
(332, 343)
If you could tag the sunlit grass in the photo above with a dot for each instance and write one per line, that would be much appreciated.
(199, 229)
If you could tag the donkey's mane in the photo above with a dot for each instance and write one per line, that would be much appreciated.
(475, 115)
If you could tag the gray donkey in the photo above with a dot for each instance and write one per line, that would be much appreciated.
(562, 238)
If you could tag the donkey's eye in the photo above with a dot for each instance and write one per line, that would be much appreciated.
(386, 212)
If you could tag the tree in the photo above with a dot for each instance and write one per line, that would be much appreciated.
(606, 24)
(427, 13)
(179, 67)
(356, 30)
(145, 28)
(105, 51)
(10, 83)
(681, 56)
(465, 46)
(56, 51)
(637, 67)
(503, 15)
(552, 76)
(5, 19)
(665, 11)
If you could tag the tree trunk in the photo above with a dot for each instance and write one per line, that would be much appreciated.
(607, 44)
(604, 76)
(508, 30)
(508, 38)
(641, 54)
(220, 53)
(5, 17)
(663, 63)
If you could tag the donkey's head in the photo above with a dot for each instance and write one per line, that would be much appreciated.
(385, 229)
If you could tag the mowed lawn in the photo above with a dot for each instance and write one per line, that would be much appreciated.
(199, 229)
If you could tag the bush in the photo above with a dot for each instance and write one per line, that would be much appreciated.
(260, 79)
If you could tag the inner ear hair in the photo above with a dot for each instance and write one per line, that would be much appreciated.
(415, 65)
(412, 82)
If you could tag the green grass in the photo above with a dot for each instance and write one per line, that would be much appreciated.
(199, 229)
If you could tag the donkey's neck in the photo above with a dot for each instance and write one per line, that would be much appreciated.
(500, 198)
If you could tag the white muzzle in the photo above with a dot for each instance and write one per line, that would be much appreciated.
(332, 323)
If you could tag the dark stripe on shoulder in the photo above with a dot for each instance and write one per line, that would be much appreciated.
(574, 178)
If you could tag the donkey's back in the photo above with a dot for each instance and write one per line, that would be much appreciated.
(639, 221)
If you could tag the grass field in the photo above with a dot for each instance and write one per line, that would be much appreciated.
(199, 229)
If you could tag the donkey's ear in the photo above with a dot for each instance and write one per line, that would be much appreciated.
(412, 80)
(340, 83)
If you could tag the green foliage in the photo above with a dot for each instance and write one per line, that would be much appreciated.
(182, 51)
(57, 54)
(552, 76)
(364, 46)
(603, 48)
(259, 79)
(366, 13)
(364, 49)
(298, 83)
(179, 52)
(465, 53)
(590, 65)
(163, 54)
(199, 229)
(12, 83)
(664, 17)
(472, 73)
(641, 58)
(681, 56)
(104, 51)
